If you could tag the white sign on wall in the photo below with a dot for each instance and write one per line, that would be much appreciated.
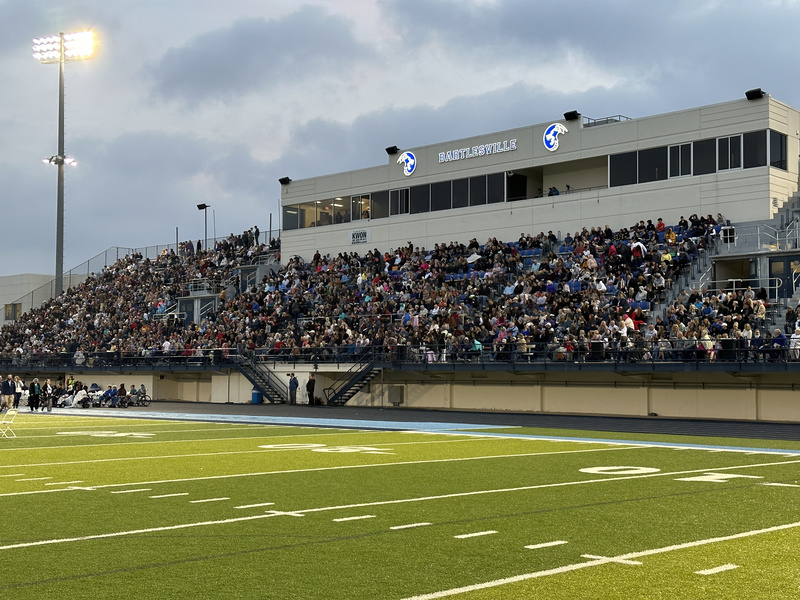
(476, 151)
(360, 236)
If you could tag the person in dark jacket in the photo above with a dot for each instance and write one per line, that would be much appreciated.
(293, 385)
(310, 385)
(34, 392)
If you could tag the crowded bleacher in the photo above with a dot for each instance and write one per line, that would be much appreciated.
(595, 295)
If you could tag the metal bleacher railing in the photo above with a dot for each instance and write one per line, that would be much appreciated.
(556, 355)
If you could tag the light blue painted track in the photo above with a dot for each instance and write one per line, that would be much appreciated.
(380, 425)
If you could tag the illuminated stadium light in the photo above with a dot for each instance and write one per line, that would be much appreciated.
(74, 46)
(61, 49)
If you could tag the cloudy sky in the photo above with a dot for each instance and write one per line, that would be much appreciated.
(191, 101)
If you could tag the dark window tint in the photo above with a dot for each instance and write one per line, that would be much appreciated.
(440, 195)
(496, 184)
(516, 186)
(755, 149)
(398, 202)
(680, 160)
(380, 205)
(729, 152)
(289, 218)
(477, 190)
(460, 193)
(420, 199)
(652, 164)
(705, 157)
(623, 169)
(777, 150)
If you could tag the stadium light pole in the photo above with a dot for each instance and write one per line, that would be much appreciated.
(204, 208)
(60, 49)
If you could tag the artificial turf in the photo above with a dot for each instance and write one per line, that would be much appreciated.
(112, 508)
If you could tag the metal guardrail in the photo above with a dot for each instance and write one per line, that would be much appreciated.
(723, 350)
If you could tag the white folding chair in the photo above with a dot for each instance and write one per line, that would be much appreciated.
(5, 423)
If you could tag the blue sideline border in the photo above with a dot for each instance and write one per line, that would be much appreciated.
(423, 427)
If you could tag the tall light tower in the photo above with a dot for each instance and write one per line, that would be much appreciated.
(60, 49)
(204, 208)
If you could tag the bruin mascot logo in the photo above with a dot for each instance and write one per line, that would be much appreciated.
(550, 137)
(409, 162)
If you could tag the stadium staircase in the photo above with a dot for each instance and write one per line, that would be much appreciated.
(351, 382)
(263, 379)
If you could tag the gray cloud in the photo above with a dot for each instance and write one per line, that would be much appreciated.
(20, 22)
(708, 39)
(253, 54)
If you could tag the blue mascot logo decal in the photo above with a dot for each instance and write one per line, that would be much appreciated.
(550, 137)
(409, 162)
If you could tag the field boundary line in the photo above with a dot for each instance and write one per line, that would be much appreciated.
(598, 561)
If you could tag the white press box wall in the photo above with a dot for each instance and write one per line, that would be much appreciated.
(581, 161)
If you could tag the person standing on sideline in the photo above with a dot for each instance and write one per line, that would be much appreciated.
(47, 390)
(33, 394)
(8, 389)
(20, 385)
(310, 385)
(293, 385)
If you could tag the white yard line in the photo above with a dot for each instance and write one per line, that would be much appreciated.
(545, 545)
(782, 485)
(255, 505)
(716, 570)
(170, 495)
(358, 518)
(207, 500)
(63, 482)
(346, 467)
(65, 434)
(131, 491)
(221, 453)
(439, 497)
(152, 442)
(464, 536)
(409, 526)
(34, 479)
(623, 558)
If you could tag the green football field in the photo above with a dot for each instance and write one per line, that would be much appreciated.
(101, 507)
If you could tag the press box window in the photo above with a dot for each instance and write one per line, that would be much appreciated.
(379, 206)
(420, 199)
(622, 169)
(460, 193)
(398, 202)
(680, 160)
(477, 190)
(729, 153)
(755, 149)
(652, 164)
(289, 218)
(777, 150)
(704, 157)
(496, 187)
(441, 195)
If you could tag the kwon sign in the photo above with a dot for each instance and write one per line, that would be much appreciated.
(360, 236)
